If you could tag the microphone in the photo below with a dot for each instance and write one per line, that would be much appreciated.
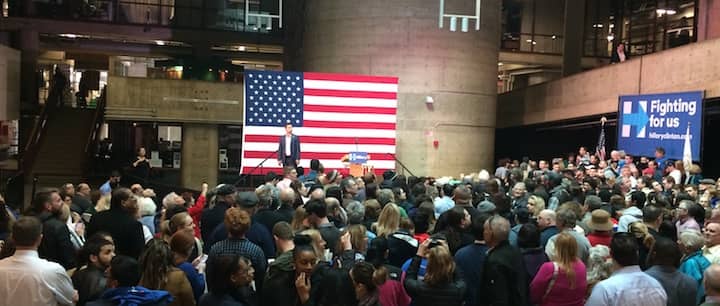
(356, 145)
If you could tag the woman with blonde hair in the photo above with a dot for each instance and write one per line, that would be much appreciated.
(358, 238)
(300, 220)
(442, 284)
(563, 280)
(535, 205)
(182, 222)
(645, 240)
(318, 244)
(388, 221)
(600, 266)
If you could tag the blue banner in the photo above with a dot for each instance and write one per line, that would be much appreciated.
(358, 157)
(646, 122)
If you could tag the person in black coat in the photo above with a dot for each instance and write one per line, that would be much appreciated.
(120, 222)
(503, 281)
(279, 286)
(90, 281)
(56, 245)
(220, 199)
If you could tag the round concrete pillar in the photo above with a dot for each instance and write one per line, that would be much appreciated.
(457, 70)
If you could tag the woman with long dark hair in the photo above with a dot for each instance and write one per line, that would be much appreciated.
(225, 275)
(366, 291)
(159, 273)
(453, 225)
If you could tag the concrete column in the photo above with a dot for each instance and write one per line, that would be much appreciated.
(199, 155)
(708, 20)
(29, 45)
(573, 37)
(402, 38)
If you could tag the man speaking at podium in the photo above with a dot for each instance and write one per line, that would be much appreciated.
(289, 149)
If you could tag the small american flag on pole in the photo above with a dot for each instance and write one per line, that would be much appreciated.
(332, 114)
(600, 149)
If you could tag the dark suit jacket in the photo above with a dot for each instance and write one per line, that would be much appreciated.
(294, 147)
(56, 245)
(504, 281)
(125, 230)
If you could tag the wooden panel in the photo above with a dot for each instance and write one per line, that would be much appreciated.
(9, 84)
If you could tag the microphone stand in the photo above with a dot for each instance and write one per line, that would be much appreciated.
(260, 165)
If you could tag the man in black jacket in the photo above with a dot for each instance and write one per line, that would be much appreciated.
(120, 222)
(503, 281)
(90, 280)
(214, 214)
(55, 245)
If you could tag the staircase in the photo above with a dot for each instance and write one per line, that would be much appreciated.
(61, 155)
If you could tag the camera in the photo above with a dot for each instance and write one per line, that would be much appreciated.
(433, 243)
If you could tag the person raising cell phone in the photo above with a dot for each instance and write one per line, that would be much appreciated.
(443, 283)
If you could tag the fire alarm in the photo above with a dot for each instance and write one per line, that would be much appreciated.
(436, 143)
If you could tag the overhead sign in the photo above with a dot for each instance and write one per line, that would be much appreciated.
(646, 122)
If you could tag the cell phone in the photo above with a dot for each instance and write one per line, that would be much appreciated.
(203, 258)
(86, 217)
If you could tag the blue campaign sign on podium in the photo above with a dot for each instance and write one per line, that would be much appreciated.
(646, 122)
(358, 157)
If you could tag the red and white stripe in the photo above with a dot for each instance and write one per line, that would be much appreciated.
(339, 111)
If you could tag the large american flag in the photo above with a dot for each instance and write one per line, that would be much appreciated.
(333, 114)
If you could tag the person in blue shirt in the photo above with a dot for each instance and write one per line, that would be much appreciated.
(444, 202)
(660, 158)
(181, 244)
(312, 175)
(111, 183)
(470, 259)
(123, 277)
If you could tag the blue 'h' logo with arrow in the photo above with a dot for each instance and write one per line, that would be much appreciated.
(638, 119)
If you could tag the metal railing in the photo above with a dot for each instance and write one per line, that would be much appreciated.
(91, 145)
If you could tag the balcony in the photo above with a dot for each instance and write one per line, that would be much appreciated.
(250, 16)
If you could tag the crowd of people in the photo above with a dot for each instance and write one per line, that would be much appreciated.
(579, 230)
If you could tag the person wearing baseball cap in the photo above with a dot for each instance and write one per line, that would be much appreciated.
(601, 226)
(220, 198)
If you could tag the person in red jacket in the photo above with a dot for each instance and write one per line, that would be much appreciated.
(195, 211)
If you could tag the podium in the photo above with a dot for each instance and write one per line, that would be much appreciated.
(358, 163)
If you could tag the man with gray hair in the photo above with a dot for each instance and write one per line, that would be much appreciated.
(547, 224)
(355, 213)
(519, 196)
(685, 220)
(711, 283)
(385, 196)
(503, 280)
(566, 220)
